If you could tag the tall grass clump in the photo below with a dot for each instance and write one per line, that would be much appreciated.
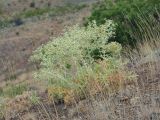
(80, 62)
(147, 37)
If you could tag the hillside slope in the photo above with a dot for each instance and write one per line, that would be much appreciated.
(18, 41)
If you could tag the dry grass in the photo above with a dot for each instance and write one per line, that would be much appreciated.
(134, 100)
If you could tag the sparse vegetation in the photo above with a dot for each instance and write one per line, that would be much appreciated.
(17, 18)
(51, 11)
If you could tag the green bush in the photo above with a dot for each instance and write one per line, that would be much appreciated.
(125, 13)
(71, 62)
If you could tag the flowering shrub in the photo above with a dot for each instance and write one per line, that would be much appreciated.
(81, 55)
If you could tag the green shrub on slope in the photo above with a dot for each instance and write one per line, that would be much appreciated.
(125, 13)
